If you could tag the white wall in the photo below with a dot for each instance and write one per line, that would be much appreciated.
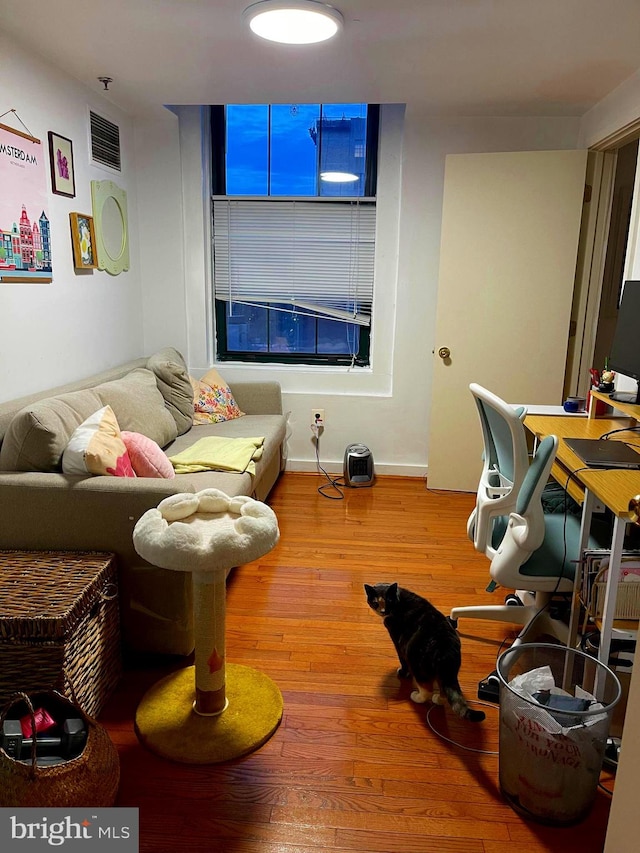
(81, 322)
(387, 406)
(165, 243)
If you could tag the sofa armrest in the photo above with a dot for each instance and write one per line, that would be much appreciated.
(258, 398)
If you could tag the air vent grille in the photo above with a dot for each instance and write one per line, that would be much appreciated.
(105, 142)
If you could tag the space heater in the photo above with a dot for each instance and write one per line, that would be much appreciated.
(358, 466)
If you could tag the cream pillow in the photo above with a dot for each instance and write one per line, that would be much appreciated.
(96, 447)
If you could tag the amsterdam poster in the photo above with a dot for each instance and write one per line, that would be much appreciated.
(25, 238)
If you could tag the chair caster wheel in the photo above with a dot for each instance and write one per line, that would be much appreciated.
(512, 600)
(452, 622)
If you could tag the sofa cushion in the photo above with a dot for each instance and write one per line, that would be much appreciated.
(96, 447)
(172, 378)
(139, 406)
(39, 433)
(146, 456)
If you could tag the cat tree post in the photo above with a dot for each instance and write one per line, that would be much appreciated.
(209, 606)
(212, 711)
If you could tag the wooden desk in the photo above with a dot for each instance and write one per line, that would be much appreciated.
(612, 487)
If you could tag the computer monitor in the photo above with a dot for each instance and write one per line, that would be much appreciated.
(625, 348)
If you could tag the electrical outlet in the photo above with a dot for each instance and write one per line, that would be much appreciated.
(317, 417)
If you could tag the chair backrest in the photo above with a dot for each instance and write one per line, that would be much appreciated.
(505, 464)
(525, 529)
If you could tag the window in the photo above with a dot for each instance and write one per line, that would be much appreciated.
(294, 220)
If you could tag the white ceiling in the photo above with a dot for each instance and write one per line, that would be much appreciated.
(454, 57)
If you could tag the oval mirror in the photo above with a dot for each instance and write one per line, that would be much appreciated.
(110, 219)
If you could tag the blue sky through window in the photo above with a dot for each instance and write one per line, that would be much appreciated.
(274, 150)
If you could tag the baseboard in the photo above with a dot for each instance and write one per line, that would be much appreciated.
(308, 466)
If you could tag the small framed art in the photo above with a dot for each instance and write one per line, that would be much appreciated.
(61, 161)
(83, 239)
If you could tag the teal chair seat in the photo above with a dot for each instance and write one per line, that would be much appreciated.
(552, 559)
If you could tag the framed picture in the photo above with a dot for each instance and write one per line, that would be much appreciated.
(25, 249)
(61, 161)
(83, 239)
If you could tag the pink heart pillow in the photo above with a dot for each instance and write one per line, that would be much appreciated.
(146, 456)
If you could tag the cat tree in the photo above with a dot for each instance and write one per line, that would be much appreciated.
(212, 711)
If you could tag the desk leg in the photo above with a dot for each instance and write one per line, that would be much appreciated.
(611, 589)
(585, 527)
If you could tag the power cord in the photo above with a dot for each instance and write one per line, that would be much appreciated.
(454, 742)
(334, 483)
(621, 429)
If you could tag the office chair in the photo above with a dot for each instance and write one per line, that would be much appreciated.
(505, 463)
(533, 553)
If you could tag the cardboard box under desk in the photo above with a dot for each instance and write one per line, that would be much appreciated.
(59, 625)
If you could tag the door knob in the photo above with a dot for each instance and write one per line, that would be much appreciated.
(444, 352)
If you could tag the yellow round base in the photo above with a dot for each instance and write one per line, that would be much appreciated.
(167, 724)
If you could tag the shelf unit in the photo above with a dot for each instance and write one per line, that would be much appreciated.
(623, 628)
(631, 410)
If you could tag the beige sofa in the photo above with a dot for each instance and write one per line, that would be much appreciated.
(42, 508)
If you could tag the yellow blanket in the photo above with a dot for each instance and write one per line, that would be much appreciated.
(216, 453)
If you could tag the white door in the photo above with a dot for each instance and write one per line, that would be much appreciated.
(510, 230)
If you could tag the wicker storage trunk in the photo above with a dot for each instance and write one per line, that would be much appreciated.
(59, 625)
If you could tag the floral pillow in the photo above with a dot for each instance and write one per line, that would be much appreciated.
(96, 447)
(146, 456)
(213, 401)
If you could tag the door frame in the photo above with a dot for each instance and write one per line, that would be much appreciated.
(594, 237)
(592, 251)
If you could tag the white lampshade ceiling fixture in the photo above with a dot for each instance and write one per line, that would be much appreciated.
(293, 21)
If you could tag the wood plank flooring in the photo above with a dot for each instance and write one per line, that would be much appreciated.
(354, 765)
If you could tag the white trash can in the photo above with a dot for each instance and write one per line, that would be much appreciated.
(556, 705)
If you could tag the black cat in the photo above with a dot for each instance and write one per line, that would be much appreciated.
(428, 646)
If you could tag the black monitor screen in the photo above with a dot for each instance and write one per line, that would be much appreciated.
(625, 349)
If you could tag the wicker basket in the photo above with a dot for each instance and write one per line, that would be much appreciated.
(59, 625)
(91, 779)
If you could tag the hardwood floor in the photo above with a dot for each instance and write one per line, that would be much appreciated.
(354, 765)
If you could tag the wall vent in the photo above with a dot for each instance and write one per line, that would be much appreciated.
(105, 142)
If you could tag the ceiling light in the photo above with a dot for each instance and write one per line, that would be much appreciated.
(338, 177)
(293, 22)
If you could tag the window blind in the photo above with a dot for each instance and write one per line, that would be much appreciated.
(317, 255)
